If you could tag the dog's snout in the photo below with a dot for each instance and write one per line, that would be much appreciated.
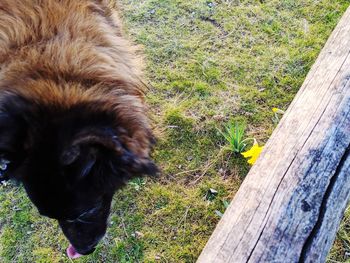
(88, 250)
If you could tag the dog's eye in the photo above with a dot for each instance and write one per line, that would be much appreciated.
(79, 220)
(85, 217)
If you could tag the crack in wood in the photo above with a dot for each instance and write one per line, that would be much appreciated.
(323, 207)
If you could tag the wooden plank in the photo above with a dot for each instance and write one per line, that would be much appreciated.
(290, 205)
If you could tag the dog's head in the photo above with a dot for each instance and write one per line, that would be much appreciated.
(70, 161)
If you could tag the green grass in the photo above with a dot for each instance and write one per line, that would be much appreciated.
(341, 247)
(208, 63)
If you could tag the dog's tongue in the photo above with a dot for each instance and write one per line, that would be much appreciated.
(72, 253)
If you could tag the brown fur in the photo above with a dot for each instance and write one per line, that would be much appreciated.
(65, 52)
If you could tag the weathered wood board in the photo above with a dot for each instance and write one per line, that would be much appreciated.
(290, 205)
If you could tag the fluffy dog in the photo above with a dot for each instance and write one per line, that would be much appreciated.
(72, 117)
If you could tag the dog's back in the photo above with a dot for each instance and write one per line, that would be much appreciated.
(63, 51)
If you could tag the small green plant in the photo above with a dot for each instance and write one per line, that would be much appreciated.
(226, 204)
(234, 134)
(211, 194)
(277, 113)
(137, 183)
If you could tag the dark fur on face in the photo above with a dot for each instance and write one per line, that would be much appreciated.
(72, 117)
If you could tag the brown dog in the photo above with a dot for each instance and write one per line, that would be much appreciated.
(72, 118)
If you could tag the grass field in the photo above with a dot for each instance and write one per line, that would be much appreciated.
(208, 63)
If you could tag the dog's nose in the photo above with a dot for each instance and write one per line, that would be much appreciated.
(86, 251)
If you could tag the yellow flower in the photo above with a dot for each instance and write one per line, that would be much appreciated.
(253, 153)
(277, 110)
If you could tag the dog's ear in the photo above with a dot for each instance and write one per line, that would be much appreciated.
(105, 148)
(132, 165)
(83, 152)
(79, 160)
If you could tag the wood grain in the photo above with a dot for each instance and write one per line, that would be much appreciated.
(290, 205)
